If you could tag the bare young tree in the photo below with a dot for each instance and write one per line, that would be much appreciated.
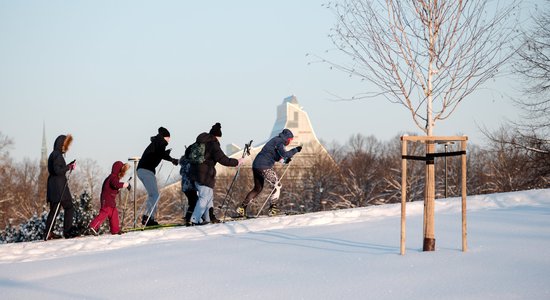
(425, 55)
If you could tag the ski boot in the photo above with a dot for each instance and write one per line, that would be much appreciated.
(71, 233)
(241, 210)
(274, 210)
(91, 231)
(151, 221)
(213, 218)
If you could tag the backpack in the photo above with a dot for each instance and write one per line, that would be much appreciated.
(185, 172)
(196, 153)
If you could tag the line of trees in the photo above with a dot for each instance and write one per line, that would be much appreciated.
(364, 171)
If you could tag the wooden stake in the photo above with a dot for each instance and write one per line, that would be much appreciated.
(403, 194)
(464, 192)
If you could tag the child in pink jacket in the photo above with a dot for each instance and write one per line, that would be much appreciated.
(109, 191)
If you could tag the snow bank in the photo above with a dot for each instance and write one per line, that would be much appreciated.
(345, 254)
(24, 252)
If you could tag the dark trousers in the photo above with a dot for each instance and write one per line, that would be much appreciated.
(68, 219)
(259, 181)
(192, 198)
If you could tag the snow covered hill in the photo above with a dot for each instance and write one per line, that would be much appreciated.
(328, 255)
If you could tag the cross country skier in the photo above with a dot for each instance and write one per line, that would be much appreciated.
(262, 169)
(58, 193)
(204, 174)
(153, 154)
(109, 191)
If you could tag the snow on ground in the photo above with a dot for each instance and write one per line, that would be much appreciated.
(326, 255)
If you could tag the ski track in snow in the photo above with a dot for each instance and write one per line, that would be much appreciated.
(38, 250)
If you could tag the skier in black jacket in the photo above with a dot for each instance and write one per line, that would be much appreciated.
(58, 193)
(150, 159)
(204, 174)
(262, 169)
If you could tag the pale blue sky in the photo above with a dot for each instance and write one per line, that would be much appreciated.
(112, 72)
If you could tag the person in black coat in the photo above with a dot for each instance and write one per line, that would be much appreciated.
(262, 169)
(150, 159)
(58, 193)
(204, 174)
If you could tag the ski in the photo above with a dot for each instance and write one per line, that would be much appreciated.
(160, 226)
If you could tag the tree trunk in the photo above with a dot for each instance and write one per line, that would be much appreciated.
(429, 193)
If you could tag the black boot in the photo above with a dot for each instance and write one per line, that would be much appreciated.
(71, 233)
(188, 215)
(151, 221)
(213, 218)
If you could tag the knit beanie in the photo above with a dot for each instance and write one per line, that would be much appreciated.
(164, 132)
(216, 130)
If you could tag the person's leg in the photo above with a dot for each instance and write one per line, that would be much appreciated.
(50, 221)
(209, 195)
(68, 230)
(192, 197)
(271, 177)
(204, 197)
(97, 221)
(113, 220)
(150, 182)
(258, 186)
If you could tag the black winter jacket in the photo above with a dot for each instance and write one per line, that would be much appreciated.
(205, 173)
(274, 151)
(57, 168)
(154, 153)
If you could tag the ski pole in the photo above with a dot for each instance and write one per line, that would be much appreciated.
(59, 203)
(158, 198)
(273, 190)
(126, 202)
(246, 151)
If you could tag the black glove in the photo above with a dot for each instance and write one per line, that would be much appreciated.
(288, 160)
(299, 148)
(175, 161)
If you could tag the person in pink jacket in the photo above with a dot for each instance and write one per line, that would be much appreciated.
(109, 191)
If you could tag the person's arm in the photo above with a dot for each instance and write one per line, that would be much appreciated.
(285, 154)
(221, 158)
(115, 183)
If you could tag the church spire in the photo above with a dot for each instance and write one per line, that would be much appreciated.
(44, 157)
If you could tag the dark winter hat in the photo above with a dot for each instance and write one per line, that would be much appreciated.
(164, 132)
(216, 130)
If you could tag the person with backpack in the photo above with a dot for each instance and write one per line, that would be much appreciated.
(151, 158)
(262, 170)
(188, 185)
(204, 154)
(58, 193)
(109, 191)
